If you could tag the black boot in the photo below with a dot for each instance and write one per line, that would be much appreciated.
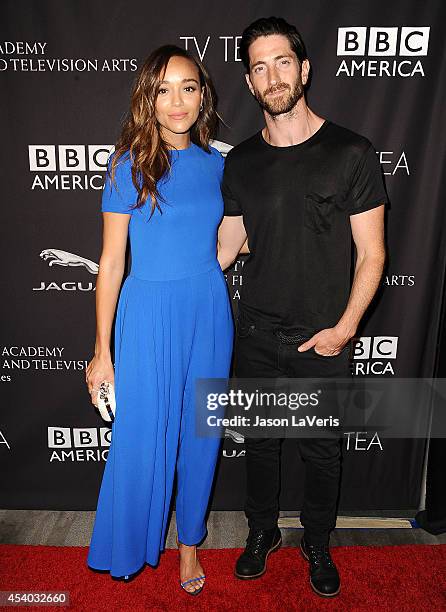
(260, 542)
(324, 577)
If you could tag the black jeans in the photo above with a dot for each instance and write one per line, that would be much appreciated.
(262, 352)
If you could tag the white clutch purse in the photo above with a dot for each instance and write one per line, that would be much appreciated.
(106, 401)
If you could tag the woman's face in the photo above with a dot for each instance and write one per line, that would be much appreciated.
(179, 97)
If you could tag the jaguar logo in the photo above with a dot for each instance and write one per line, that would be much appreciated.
(64, 258)
(221, 146)
(235, 436)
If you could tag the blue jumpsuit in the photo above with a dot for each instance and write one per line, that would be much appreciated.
(173, 324)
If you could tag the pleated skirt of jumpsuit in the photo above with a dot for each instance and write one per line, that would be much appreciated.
(167, 334)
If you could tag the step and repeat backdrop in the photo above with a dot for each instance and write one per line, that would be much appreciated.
(66, 71)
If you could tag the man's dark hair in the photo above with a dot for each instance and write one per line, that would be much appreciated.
(265, 26)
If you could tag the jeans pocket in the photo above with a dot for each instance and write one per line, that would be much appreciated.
(319, 212)
(292, 339)
(344, 350)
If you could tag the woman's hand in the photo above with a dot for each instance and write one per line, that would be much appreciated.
(98, 370)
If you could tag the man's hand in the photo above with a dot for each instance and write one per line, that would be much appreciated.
(327, 342)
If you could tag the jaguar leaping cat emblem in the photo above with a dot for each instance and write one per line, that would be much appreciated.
(64, 258)
(234, 435)
(221, 146)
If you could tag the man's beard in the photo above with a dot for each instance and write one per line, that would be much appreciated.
(282, 104)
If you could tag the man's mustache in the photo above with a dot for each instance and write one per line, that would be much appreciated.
(276, 88)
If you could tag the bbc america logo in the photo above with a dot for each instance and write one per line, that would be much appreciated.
(374, 355)
(75, 444)
(68, 167)
(409, 43)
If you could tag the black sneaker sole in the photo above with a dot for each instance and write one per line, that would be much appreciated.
(328, 595)
(253, 576)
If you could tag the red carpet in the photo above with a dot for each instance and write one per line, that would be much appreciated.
(373, 578)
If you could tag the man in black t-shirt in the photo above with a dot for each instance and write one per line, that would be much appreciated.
(298, 194)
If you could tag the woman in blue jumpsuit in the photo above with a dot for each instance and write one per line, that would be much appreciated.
(173, 325)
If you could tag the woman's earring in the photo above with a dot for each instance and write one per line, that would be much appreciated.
(201, 106)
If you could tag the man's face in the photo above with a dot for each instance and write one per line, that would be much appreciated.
(275, 77)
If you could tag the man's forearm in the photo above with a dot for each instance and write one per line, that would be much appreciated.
(245, 248)
(231, 238)
(225, 257)
(368, 273)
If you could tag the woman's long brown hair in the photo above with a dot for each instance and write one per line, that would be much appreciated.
(141, 137)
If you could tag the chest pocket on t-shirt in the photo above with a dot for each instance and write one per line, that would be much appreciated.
(319, 212)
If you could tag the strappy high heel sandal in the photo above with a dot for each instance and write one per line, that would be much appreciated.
(183, 584)
(197, 591)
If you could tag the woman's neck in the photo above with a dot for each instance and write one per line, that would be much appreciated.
(178, 141)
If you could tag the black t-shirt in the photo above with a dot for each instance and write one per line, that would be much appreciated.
(296, 203)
